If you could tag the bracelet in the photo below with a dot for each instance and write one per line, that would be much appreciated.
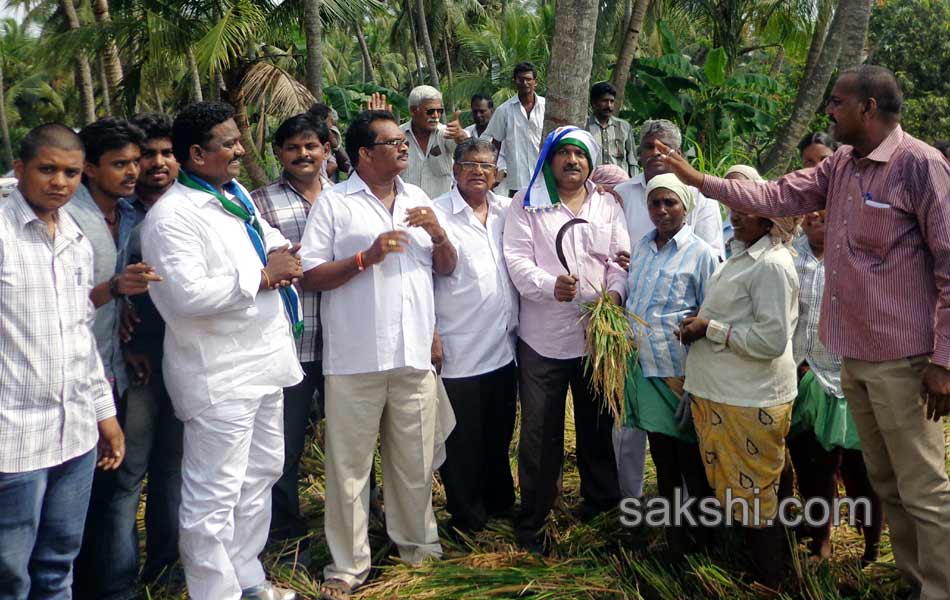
(114, 287)
(267, 282)
(359, 261)
(728, 335)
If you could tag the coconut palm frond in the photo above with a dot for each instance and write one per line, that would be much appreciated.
(273, 88)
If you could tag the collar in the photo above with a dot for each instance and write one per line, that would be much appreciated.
(25, 216)
(611, 121)
(202, 197)
(283, 180)
(885, 150)
(355, 185)
(459, 204)
(756, 250)
(680, 240)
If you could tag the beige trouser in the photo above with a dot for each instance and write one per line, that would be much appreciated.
(904, 453)
(400, 405)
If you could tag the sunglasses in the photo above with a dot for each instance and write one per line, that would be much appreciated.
(394, 143)
(435, 111)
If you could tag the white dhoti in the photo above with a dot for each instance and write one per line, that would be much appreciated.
(401, 406)
(233, 455)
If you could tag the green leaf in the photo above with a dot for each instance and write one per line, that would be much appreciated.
(658, 87)
(715, 67)
(667, 39)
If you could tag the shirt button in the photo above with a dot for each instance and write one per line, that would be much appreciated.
(845, 221)
(837, 246)
(834, 298)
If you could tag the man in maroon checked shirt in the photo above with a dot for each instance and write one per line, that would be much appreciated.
(886, 306)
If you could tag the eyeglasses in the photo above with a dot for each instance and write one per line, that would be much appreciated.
(394, 143)
(433, 111)
(471, 166)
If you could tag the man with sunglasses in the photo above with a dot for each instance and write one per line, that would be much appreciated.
(371, 245)
(431, 143)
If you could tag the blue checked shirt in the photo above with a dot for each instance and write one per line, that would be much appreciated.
(665, 286)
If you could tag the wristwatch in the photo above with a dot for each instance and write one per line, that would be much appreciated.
(114, 287)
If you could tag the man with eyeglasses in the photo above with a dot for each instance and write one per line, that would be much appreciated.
(517, 125)
(476, 310)
(431, 143)
(370, 246)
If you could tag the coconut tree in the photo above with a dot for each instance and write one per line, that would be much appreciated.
(631, 43)
(572, 56)
(313, 26)
(111, 65)
(83, 72)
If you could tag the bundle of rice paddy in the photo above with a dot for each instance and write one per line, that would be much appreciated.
(610, 344)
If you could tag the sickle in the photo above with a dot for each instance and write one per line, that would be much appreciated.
(559, 241)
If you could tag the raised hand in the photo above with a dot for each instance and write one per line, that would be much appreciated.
(677, 164)
(378, 102)
(425, 218)
(454, 129)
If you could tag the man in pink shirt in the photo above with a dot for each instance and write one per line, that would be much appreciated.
(886, 306)
(551, 345)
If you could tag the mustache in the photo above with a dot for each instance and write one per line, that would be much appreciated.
(572, 168)
(303, 161)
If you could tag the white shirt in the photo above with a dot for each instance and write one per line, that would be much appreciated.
(705, 218)
(224, 339)
(384, 317)
(476, 307)
(430, 169)
(520, 136)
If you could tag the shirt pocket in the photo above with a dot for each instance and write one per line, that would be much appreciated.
(439, 159)
(873, 230)
(476, 262)
(616, 148)
(600, 238)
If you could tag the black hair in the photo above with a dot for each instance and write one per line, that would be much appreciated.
(193, 125)
(525, 67)
(49, 135)
(154, 125)
(302, 123)
(108, 134)
(817, 137)
(872, 81)
(485, 97)
(360, 133)
(320, 111)
(944, 147)
(604, 88)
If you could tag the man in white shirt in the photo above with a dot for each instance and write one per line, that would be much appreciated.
(483, 107)
(229, 351)
(55, 401)
(476, 309)
(370, 246)
(431, 143)
(630, 445)
(516, 127)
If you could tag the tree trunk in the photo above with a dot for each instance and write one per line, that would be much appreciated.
(415, 49)
(811, 90)
(364, 50)
(112, 64)
(104, 86)
(426, 42)
(313, 27)
(158, 100)
(778, 61)
(572, 52)
(252, 163)
(196, 95)
(4, 129)
(83, 74)
(825, 11)
(855, 37)
(448, 58)
(631, 42)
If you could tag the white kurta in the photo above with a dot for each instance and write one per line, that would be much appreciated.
(228, 352)
(476, 306)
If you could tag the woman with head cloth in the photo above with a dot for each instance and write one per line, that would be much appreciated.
(741, 375)
(736, 172)
(668, 275)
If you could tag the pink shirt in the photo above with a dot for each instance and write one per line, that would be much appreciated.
(550, 327)
(887, 246)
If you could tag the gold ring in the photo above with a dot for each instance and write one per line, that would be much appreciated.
(392, 243)
(423, 212)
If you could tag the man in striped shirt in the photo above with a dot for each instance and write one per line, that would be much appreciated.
(886, 307)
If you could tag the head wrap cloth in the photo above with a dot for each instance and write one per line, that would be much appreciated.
(669, 181)
(608, 175)
(784, 229)
(542, 191)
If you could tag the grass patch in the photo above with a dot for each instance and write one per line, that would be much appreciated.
(595, 560)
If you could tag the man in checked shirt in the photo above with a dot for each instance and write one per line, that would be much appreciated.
(55, 402)
(886, 307)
